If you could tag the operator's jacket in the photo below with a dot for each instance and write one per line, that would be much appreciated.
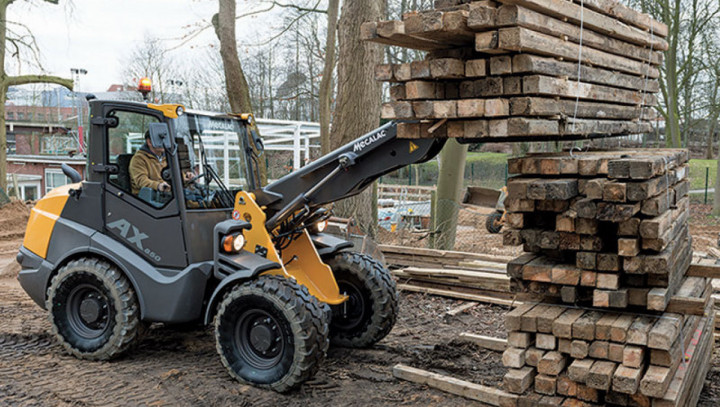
(146, 169)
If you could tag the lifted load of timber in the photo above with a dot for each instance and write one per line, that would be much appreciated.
(519, 70)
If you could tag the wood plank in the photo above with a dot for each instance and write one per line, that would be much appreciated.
(558, 87)
(628, 15)
(485, 342)
(521, 39)
(518, 381)
(487, 395)
(518, 16)
(368, 32)
(534, 64)
(457, 295)
(567, 11)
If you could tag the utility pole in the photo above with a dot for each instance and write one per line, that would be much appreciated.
(76, 72)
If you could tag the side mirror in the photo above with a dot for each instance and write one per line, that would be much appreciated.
(160, 135)
(259, 145)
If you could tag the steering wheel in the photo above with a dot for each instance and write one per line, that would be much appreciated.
(195, 178)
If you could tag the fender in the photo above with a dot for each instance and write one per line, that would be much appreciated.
(328, 244)
(242, 260)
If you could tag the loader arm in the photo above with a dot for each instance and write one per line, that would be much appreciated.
(344, 172)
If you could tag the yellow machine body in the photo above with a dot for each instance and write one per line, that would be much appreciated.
(300, 260)
(43, 217)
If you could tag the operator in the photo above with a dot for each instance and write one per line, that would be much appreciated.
(146, 168)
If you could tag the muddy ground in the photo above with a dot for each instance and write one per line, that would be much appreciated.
(172, 368)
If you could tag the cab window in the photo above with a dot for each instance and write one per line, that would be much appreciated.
(124, 141)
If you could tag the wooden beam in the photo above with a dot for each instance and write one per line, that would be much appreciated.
(524, 40)
(485, 342)
(568, 11)
(518, 16)
(488, 395)
(458, 295)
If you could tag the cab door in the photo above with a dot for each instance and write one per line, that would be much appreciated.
(153, 230)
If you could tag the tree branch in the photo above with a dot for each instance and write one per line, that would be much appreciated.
(27, 79)
(298, 8)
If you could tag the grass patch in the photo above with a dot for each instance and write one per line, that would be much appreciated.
(697, 173)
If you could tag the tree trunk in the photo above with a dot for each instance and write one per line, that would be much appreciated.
(326, 83)
(235, 82)
(711, 136)
(716, 195)
(359, 97)
(449, 192)
(7, 81)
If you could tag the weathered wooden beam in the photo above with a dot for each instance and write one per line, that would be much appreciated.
(567, 11)
(485, 342)
(522, 39)
(473, 391)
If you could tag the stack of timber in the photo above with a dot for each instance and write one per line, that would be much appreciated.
(567, 356)
(404, 256)
(605, 230)
(518, 70)
(482, 281)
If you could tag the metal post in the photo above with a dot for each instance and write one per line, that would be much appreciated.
(226, 158)
(296, 148)
(707, 177)
(433, 219)
(307, 148)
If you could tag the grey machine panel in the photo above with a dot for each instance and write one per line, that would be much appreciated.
(166, 295)
(158, 240)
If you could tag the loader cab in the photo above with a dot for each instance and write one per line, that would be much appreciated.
(174, 229)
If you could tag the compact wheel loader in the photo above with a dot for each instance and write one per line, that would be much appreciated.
(105, 260)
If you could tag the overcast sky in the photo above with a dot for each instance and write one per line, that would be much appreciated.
(98, 34)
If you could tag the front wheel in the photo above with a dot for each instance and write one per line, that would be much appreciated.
(271, 333)
(371, 309)
(93, 309)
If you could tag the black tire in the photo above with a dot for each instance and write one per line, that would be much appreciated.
(493, 223)
(271, 333)
(93, 309)
(370, 312)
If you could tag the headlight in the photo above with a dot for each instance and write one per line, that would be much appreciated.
(233, 243)
(180, 110)
(321, 226)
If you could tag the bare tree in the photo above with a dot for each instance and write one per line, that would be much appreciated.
(326, 84)
(150, 60)
(235, 82)
(687, 20)
(359, 96)
(16, 43)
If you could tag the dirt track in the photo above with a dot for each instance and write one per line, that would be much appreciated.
(182, 369)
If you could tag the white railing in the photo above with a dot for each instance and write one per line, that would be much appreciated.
(288, 135)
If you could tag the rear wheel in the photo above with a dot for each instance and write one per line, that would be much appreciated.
(371, 309)
(271, 333)
(493, 223)
(93, 309)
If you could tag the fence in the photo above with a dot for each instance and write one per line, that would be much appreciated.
(702, 181)
(407, 217)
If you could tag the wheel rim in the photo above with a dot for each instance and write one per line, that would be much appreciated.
(88, 311)
(350, 313)
(259, 339)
